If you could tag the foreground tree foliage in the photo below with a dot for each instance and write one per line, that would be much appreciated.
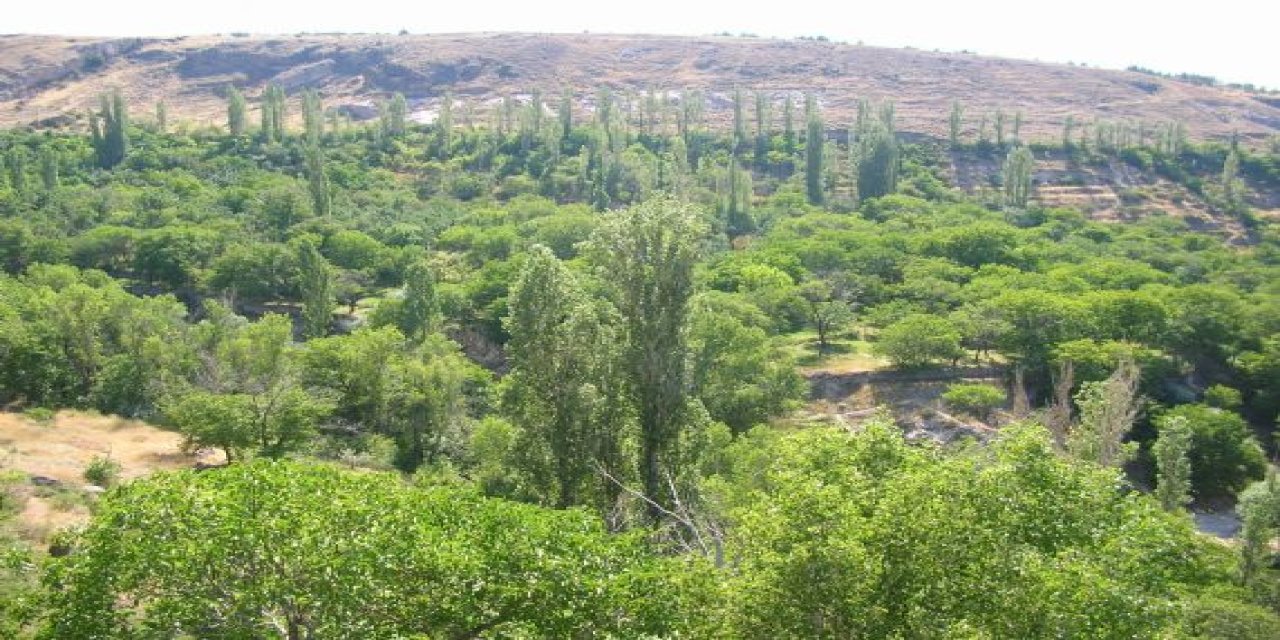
(838, 535)
(649, 251)
(827, 534)
(287, 550)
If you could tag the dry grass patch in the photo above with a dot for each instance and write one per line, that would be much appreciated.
(63, 448)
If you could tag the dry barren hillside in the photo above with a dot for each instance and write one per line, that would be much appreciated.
(44, 77)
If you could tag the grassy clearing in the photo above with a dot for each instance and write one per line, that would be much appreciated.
(846, 354)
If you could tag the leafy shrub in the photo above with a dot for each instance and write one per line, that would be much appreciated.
(1223, 397)
(102, 471)
(41, 415)
(977, 399)
(11, 500)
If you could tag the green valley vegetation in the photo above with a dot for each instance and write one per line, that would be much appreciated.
(525, 374)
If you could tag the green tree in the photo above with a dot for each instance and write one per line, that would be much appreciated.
(919, 340)
(877, 156)
(1259, 509)
(1018, 168)
(1224, 455)
(739, 120)
(648, 252)
(395, 113)
(252, 400)
(109, 129)
(1230, 180)
(1173, 463)
(16, 162)
(237, 422)
(738, 375)
(444, 126)
(162, 117)
(255, 273)
(236, 112)
(312, 117)
(829, 313)
(361, 371)
(428, 404)
(788, 125)
(273, 115)
(275, 549)
(420, 309)
(557, 393)
(566, 113)
(762, 140)
(844, 535)
(318, 182)
(50, 161)
(813, 151)
(735, 195)
(315, 284)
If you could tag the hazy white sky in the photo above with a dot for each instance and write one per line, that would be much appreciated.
(1233, 40)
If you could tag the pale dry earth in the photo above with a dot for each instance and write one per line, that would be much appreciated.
(43, 77)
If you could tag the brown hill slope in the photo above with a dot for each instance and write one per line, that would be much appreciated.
(42, 77)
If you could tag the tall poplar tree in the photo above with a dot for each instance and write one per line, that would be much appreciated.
(110, 130)
(273, 113)
(395, 115)
(17, 165)
(648, 252)
(312, 117)
(1173, 463)
(318, 182)
(813, 151)
(762, 130)
(566, 114)
(735, 200)
(316, 288)
(877, 153)
(444, 125)
(739, 121)
(1019, 165)
(788, 125)
(49, 163)
(236, 110)
(1230, 171)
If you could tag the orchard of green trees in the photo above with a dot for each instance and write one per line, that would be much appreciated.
(529, 372)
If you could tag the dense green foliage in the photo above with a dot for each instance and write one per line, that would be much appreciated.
(282, 550)
(571, 338)
(829, 535)
(977, 399)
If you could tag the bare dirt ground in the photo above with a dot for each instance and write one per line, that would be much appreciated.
(44, 76)
(63, 448)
